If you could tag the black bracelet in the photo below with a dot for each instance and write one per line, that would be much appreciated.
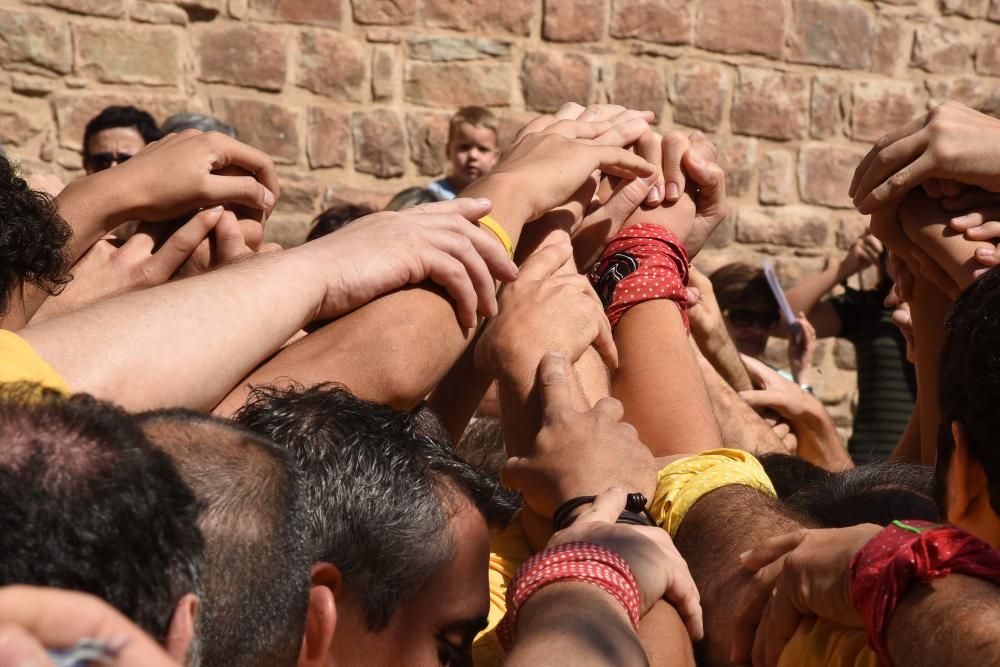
(562, 519)
(635, 513)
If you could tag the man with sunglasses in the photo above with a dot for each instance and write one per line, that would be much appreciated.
(115, 135)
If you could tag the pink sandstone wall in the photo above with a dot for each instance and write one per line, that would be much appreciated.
(351, 97)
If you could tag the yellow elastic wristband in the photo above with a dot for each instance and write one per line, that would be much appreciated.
(499, 232)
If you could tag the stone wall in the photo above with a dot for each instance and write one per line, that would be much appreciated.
(351, 97)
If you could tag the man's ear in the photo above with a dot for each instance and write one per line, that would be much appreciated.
(321, 619)
(968, 493)
(180, 634)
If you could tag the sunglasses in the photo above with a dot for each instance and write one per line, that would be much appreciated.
(102, 161)
(743, 317)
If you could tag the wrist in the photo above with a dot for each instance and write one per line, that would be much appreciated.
(510, 207)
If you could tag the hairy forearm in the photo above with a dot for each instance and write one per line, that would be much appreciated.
(950, 621)
(659, 382)
(186, 343)
(740, 426)
(720, 351)
(716, 530)
(394, 351)
(575, 624)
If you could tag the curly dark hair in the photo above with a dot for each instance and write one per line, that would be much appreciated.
(90, 505)
(33, 238)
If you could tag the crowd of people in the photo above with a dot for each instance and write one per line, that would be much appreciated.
(503, 421)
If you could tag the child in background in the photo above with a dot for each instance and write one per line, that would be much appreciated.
(472, 150)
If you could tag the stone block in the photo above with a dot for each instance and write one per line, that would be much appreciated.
(825, 173)
(574, 20)
(777, 178)
(772, 104)
(385, 12)
(31, 40)
(551, 79)
(114, 54)
(939, 48)
(701, 91)
(243, 55)
(834, 33)
(428, 136)
(882, 106)
(479, 16)
(636, 86)
(273, 128)
(309, 12)
(379, 143)
(332, 65)
(451, 85)
(328, 137)
(436, 48)
(659, 21)
(742, 26)
(794, 226)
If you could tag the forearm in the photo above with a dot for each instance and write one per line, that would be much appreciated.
(394, 351)
(659, 382)
(925, 223)
(950, 621)
(575, 624)
(459, 394)
(740, 426)
(664, 636)
(93, 206)
(508, 209)
(804, 296)
(719, 527)
(720, 351)
(186, 343)
(929, 310)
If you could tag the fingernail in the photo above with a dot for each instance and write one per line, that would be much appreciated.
(655, 194)
(743, 556)
(985, 252)
(961, 218)
(483, 201)
(697, 159)
(673, 192)
(268, 198)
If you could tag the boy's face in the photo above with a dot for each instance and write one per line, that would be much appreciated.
(473, 152)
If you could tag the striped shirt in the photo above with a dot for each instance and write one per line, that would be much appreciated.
(887, 385)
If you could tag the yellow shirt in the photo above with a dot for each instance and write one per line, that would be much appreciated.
(819, 642)
(508, 550)
(20, 363)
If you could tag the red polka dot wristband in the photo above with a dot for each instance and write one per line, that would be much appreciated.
(642, 263)
(883, 570)
(574, 561)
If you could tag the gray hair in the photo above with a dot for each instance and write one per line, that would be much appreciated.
(196, 121)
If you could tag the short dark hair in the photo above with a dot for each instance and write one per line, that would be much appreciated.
(120, 116)
(878, 492)
(380, 495)
(789, 474)
(336, 217)
(743, 285)
(969, 382)
(90, 505)
(254, 525)
(33, 238)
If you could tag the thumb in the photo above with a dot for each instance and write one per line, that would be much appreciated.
(553, 385)
(469, 208)
(764, 399)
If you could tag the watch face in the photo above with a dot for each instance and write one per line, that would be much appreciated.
(612, 271)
